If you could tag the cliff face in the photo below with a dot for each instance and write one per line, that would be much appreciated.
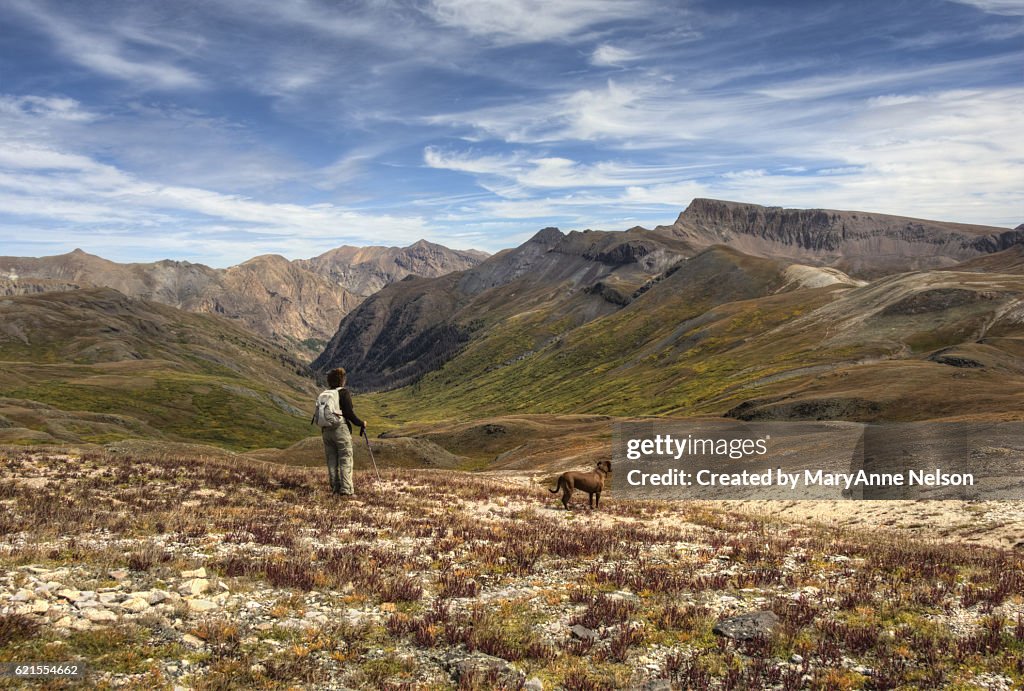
(861, 243)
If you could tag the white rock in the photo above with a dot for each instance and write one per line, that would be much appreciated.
(193, 641)
(81, 625)
(135, 604)
(23, 595)
(40, 607)
(201, 605)
(98, 616)
(119, 574)
(107, 598)
(198, 573)
(153, 597)
(195, 586)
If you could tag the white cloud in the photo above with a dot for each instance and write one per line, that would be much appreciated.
(606, 55)
(532, 21)
(552, 172)
(1010, 7)
(45, 107)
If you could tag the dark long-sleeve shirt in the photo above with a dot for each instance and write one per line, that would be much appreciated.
(345, 401)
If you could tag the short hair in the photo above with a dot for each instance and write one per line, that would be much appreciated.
(336, 377)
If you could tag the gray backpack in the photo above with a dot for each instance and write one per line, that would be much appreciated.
(327, 414)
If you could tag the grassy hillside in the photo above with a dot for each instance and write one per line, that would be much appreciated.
(96, 366)
(725, 331)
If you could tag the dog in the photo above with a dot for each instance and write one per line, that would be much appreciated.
(592, 483)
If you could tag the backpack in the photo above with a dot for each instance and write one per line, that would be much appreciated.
(327, 413)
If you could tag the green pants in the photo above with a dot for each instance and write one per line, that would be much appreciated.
(338, 450)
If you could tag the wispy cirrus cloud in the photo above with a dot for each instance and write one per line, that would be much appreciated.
(533, 21)
(607, 55)
(1008, 7)
(108, 50)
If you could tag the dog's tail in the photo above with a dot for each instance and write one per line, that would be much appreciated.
(558, 486)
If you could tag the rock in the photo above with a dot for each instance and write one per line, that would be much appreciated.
(194, 586)
(152, 597)
(582, 632)
(107, 598)
(264, 626)
(23, 595)
(88, 604)
(135, 604)
(100, 616)
(201, 605)
(746, 626)
(192, 641)
(118, 574)
(388, 607)
(624, 595)
(81, 625)
(40, 607)
(198, 573)
(533, 684)
(796, 659)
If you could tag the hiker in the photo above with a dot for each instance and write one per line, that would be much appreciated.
(334, 406)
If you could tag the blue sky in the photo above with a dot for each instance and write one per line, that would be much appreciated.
(217, 130)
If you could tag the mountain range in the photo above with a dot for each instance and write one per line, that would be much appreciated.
(522, 358)
(297, 303)
(735, 309)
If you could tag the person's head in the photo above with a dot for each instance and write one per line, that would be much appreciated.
(336, 378)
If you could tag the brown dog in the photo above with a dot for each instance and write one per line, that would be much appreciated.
(592, 483)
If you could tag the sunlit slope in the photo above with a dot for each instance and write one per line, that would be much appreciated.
(724, 331)
(95, 365)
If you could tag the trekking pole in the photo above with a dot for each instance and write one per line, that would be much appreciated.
(367, 438)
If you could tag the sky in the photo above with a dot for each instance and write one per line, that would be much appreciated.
(217, 130)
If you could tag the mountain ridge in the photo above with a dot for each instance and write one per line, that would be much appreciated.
(862, 244)
(296, 302)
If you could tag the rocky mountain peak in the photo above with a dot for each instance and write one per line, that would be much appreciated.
(547, 236)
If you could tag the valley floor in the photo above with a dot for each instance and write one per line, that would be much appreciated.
(159, 571)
